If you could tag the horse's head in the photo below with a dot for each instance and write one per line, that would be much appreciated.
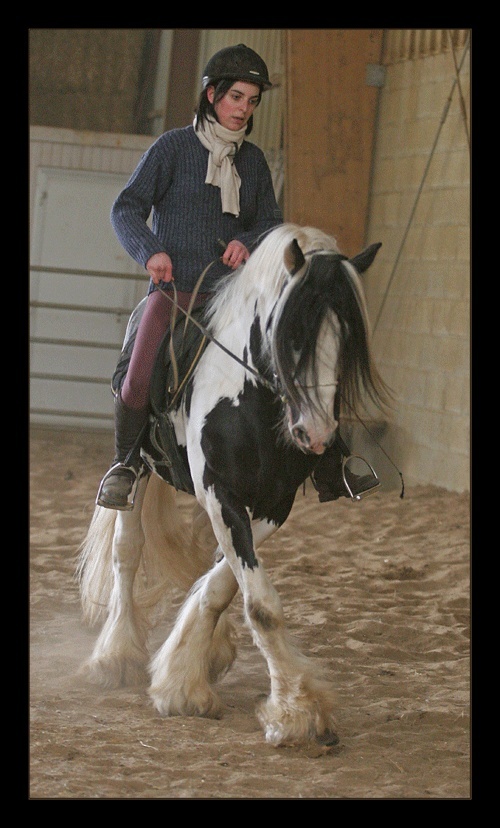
(321, 340)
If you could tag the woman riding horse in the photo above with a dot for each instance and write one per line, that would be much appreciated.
(249, 430)
(202, 183)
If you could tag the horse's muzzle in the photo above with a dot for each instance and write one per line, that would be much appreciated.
(305, 443)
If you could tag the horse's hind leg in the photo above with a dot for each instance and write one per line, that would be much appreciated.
(120, 655)
(198, 650)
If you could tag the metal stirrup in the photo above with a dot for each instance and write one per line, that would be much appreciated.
(360, 495)
(131, 495)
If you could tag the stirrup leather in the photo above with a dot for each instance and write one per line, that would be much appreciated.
(373, 485)
(131, 495)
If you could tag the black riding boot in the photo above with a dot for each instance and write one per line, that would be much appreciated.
(117, 489)
(328, 477)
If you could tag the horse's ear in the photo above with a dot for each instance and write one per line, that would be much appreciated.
(363, 260)
(294, 258)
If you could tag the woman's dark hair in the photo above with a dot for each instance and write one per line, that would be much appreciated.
(206, 110)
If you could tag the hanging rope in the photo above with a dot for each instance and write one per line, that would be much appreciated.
(461, 94)
(419, 192)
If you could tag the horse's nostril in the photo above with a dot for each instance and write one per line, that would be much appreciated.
(300, 435)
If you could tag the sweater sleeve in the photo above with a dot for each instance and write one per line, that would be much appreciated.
(132, 208)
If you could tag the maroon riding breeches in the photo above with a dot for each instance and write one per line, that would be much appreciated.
(150, 333)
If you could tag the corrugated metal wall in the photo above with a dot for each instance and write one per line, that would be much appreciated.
(409, 44)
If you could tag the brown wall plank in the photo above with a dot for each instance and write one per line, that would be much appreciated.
(183, 81)
(329, 129)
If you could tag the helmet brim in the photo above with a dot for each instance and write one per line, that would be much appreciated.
(248, 78)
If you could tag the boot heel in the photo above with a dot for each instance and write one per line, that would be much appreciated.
(118, 488)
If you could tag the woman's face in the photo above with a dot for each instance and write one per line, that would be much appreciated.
(236, 107)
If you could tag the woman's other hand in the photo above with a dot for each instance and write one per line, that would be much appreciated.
(235, 254)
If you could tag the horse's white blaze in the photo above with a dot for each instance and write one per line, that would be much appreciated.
(313, 427)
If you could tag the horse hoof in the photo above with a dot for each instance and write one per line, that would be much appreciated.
(204, 706)
(328, 738)
(113, 673)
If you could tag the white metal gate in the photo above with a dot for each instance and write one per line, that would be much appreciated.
(83, 287)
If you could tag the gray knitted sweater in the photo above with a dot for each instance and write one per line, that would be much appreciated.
(187, 218)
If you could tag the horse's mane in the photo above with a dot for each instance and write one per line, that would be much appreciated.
(263, 275)
(329, 290)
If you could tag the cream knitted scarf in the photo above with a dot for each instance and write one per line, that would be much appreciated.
(222, 144)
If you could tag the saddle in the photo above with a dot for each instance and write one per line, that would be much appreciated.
(175, 361)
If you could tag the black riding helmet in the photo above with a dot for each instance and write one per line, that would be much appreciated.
(238, 62)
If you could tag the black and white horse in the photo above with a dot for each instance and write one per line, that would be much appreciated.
(253, 421)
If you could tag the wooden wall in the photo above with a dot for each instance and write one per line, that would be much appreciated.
(329, 129)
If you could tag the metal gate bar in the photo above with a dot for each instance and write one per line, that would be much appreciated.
(76, 343)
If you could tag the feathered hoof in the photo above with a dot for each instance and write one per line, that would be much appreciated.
(112, 673)
(202, 703)
(328, 738)
(287, 727)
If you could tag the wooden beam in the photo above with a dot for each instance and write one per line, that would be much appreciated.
(183, 81)
(329, 129)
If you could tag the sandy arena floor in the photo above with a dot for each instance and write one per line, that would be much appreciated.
(379, 591)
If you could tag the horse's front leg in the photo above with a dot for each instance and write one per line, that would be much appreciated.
(199, 649)
(120, 655)
(300, 706)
